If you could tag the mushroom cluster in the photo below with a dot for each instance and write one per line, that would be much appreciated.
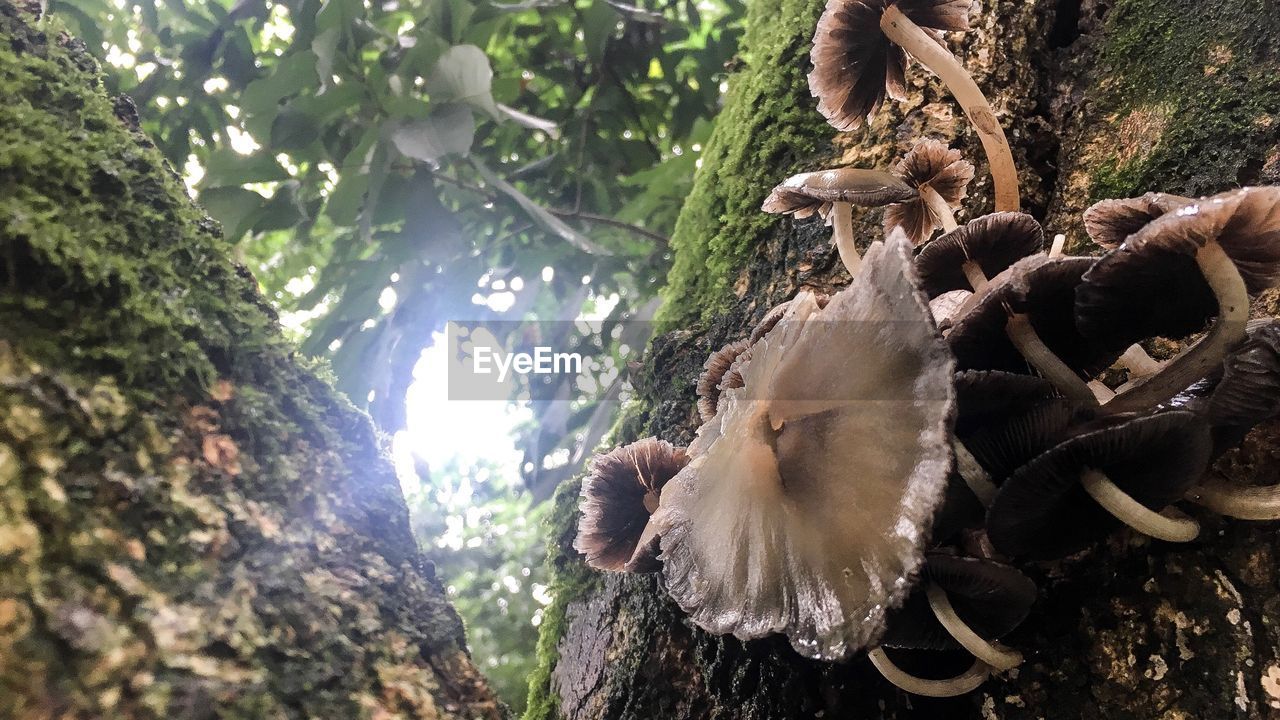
(872, 466)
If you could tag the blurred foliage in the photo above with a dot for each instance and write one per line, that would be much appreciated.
(388, 165)
(486, 544)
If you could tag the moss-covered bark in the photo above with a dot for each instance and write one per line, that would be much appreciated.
(1100, 99)
(192, 523)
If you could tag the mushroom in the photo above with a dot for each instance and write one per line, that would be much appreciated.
(1109, 222)
(940, 176)
(1247, 394)
(860, 51)
(807, 504)
(1233, 238)
(946, 307)
(961, 602)
(712, 380)
(1118, 469)
(618, 496)
(968, 256)
(1025, 315)
(832, 194)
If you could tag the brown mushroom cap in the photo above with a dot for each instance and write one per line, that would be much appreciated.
(1151, 286)
(1249, 391)
(1109, 222)
(618, 496)
(993, 241)
(990, 597)
(929, 162)
(813, 192)
(1042, 510)
(1043, 289)
(854, 63)
(713, 374)
(807, 504)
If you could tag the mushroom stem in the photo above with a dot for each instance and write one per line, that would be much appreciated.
(1242, 502)
(1171, 526)
(1059, 244)
(961, 684)
(938, 208)
(993, 654)
(974, 475)
(1196, 361)
(1138, 362)
(973, 273)
(1028, 342)
(1101, 391)
(910, 37)
(842, 236)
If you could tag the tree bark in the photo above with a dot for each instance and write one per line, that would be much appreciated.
(193, 523)
(1100, 99)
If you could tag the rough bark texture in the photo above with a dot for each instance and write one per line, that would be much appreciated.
(1100, 99)
(192, 524)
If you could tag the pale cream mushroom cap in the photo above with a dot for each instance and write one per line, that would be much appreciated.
(806, 505)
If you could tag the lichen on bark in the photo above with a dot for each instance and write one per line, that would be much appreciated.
(192, 522)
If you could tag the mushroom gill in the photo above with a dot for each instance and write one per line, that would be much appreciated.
(941, 177)
(807, 503)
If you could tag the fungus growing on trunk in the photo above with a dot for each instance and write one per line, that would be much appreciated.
(712, 381)
(1233, 238)
(860, 52)
(806, 507)
(961, 602)
(968, 256)
(618, 497)
(941, 177)
(1119, 469)
(832, 194)
(1109, 222)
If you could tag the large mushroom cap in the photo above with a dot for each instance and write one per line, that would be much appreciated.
(807, 193)
(987, 396)
(1042, 510)
(806, 507)
(929, 163)
(1151, 286)
(1249, 391)
(618, 496)
(1043, 289)
(993, 241)
(854, 64)
(990, 597)
(1109, 222)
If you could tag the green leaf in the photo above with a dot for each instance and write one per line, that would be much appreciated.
(539, 215)
(225, 166)
(447, 131)
(295, 73)
(293, 129)
(325, 47)
(233, 207)
(338, 15)
(347, 198)
(463, 74)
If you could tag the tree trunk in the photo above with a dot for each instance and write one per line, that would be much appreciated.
(193, 524)
(1099, 99)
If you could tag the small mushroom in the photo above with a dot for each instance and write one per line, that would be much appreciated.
(832, 194)
(1247, 394)
(860, 52)
(1233, 238)
(1109, 222)
(618, 497)
(1026, 315)
(940, 176)
(806, 508)
(1119, 469)
(968, 256)
(965, 603)
(714, 372)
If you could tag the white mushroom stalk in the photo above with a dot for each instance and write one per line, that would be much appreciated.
(974, 475)
(1044, 360)
(1169, 525)
(966, 682)
(1198, 360)
(1138, 362)
(842, 236)
(996, 655)
(1004, 174)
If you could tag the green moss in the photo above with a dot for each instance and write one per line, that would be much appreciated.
(1189, 98)
(570, 578)
(200, 522)
(769, 126)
